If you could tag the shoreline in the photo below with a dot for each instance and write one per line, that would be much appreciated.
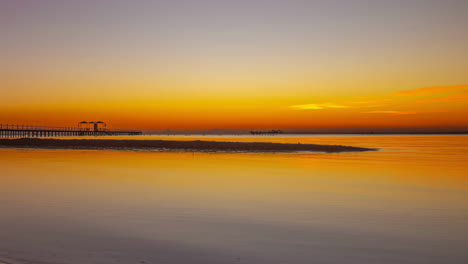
(195, 145)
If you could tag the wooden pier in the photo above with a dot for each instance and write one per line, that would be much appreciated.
(18, 131)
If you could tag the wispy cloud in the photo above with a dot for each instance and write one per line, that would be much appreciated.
(403, 112)
(384, 112)
(408, 102)
(453, 98)
(317, 106)
(434, 91)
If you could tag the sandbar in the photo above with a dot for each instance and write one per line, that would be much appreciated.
(196, 145)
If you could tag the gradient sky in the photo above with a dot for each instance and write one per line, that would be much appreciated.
(181, 64)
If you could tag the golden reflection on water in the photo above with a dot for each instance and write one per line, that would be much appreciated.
(411, 193)
(426, 158)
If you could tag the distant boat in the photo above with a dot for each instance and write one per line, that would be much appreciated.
(266, 132)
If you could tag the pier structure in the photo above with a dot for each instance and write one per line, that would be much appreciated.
(16, 131)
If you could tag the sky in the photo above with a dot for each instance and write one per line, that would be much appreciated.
(244, 64)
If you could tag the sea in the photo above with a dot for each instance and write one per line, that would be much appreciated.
(407, 202)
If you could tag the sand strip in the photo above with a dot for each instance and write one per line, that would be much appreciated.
(197, 145)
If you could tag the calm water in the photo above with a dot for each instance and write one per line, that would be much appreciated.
(407, 203)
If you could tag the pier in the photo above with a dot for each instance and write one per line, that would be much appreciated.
(17, 131)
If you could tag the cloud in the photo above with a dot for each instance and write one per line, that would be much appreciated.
(398, 103)
(384, 112)
(317, 106)
(403, 112)
(434, 91)
(453, 98)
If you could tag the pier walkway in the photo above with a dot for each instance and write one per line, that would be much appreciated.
(42, 131)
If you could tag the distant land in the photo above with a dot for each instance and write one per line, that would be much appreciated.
(336, 131)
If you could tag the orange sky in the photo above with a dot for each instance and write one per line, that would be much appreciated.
(424, 107)
(235, 64)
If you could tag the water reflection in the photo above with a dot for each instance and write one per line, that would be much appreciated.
(403, 204)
